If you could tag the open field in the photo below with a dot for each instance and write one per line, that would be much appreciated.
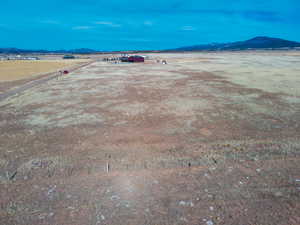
(15, 73)
(21, 69)
(209, 138)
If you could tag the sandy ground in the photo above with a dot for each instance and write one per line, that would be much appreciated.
(209, 138)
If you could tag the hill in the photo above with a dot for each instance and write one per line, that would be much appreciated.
(261, 42)
(26, 51)
(254, 43)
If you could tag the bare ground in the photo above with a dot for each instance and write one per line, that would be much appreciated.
(183, 143)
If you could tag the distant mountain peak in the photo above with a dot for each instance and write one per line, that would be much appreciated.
(259, 42)
(25, 51)
(262, 38)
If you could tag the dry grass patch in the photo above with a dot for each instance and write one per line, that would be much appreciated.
(17, 70)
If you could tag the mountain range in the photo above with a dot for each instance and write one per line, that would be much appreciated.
(28, 51)
(254, 43)
(261, 42)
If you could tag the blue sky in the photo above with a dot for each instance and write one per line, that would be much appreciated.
(138, 24)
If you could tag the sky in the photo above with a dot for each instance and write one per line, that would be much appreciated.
(143, 25)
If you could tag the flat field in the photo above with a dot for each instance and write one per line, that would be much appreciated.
(21, 69)
(209, 138)
(17, 73)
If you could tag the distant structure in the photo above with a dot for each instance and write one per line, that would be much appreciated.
(136, 59)
(69, 57)
(124, 59)
(17, 57)
(32, 58)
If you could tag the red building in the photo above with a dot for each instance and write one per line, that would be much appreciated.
(136, 58)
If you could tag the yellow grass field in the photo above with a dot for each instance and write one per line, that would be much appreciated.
(17, 70)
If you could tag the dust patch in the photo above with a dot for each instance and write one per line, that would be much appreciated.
(291, 99)
(66, 118)
(185, 106)
(272, 74)
(130, 109)
(36, 96)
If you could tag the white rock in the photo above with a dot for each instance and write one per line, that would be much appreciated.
(183, 219)
(209, 222)
(182, 203)
(42, 216)
(69, 196)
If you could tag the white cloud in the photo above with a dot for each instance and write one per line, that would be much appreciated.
(108, 23)
(82, 28)
(188, 28)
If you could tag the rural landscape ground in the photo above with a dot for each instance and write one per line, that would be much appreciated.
(17, 72)
(209, 138)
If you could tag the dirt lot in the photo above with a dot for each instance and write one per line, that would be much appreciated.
(209, 138)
